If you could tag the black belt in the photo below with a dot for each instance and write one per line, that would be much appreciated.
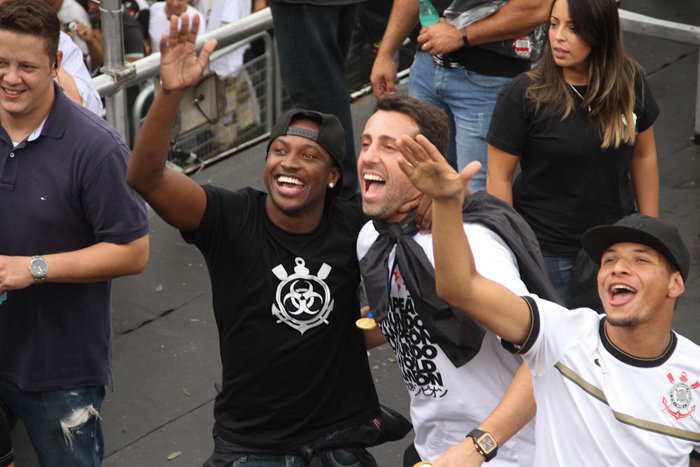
(445, 62)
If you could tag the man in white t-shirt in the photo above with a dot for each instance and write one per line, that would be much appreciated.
(159, 20)
(69, 11)
(219, 13)
(242, 109)
(456, 373)
(612, 390)
(85, 92)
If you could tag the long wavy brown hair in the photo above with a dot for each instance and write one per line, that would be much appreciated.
(611, 75)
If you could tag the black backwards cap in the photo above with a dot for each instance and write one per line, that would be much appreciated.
(638, 228)
(331, 135)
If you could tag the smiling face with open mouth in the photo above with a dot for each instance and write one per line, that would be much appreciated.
(633, 282)
(384, 185)
(297, 175)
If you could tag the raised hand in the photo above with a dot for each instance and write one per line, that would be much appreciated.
(180, 67)
(429, 171)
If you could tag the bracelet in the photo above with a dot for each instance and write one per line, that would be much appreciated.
(464, 37)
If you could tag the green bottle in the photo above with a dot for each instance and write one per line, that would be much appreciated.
(428, 13)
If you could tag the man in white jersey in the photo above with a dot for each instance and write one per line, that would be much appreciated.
(611, 390)
(455, 372)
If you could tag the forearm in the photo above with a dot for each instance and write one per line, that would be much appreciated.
(645, 178)
(499, 187)
(95, 52)
(514, 19)
(513, 412)
(147, 163)
(373, 337)
(458, 282)
(100, 262)
(499, 173)
(515, 409)
(644, 172)
(449, 236)
(403, 18)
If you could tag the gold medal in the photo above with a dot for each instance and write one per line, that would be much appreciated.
(366, 323)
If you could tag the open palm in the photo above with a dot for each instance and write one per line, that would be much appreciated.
(429, 171)
(180, 66)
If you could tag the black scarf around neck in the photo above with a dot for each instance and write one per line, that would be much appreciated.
(457, 335)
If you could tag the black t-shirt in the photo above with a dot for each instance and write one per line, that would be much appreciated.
(294, 364)
(133, 36)
(567, 183)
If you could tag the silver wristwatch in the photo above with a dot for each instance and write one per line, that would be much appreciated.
(38, 268)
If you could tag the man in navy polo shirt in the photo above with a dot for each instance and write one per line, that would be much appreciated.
(70, 224)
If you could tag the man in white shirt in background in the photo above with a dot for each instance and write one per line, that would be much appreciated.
(159, 22)
(242, 106)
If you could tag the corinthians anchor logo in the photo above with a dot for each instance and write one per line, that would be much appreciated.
(680, 397)
(303, 301)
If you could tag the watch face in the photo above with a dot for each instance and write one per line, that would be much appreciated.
(38, 267)
(487, 443)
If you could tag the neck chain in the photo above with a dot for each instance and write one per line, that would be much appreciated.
(579, 95)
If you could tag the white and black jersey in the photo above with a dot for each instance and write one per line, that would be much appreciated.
(597, 405)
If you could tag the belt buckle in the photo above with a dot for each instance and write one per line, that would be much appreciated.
(440, 60)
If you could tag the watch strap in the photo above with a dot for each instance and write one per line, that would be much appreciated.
(484, 443)
(465, 39)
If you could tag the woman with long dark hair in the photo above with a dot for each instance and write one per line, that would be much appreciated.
(580, 124)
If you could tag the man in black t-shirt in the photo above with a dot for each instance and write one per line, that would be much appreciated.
(284, 273)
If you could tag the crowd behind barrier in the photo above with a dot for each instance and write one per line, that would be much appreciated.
(200, 148)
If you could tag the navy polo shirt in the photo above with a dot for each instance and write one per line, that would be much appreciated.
(63, 191)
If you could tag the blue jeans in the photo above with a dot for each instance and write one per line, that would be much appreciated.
(226, 455)
(313, 44)
(468, 99)
(337, 458)
(63, 426)
(560, 271)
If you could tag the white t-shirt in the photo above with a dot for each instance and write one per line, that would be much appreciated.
(75, 66)
(71, 10)
(218, 14)
(597, 406)
(159, 23)
(448, 402)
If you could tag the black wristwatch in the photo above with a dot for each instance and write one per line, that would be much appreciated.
(485, 444)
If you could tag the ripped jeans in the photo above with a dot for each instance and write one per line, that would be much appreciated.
(63, 426)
